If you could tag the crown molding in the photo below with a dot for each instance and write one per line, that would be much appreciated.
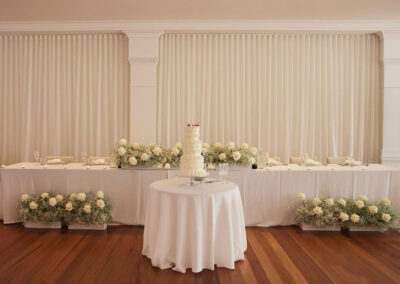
(171, 26)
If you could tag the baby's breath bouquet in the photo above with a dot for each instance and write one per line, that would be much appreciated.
(82, 208)
(43, 208)
(173, 155)
(230, 153)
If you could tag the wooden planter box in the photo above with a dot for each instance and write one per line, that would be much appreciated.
(36, 225)
(309, 227)
(366, 229)
(98, 227)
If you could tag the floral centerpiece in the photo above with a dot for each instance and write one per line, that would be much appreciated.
(87, 209)
(43, 210)
(173, 156)
(230, 153)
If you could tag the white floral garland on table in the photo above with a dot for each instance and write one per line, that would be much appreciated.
(345, 212)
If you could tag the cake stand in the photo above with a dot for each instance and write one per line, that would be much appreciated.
(192, 177)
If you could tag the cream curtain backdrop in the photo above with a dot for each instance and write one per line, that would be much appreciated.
(289, 94)
(62, 94)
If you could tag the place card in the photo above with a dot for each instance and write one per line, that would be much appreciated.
(3, 166)
(88, 167)
(45, 167)
(23, 167)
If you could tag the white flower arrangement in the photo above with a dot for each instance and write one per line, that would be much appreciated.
(231, 153)
(41, 208)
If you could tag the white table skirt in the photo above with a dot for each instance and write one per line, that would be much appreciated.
(268, 196)
(194, 226)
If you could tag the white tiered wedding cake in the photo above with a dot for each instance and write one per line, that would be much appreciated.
(192, 162)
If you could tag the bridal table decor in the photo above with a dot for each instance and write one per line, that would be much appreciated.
(194, 227)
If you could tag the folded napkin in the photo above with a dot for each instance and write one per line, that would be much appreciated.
(351, 162)
(99, 162)
(311, 162)
(273, 162)
(54, 162)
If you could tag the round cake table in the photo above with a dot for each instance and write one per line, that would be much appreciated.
(194, 227)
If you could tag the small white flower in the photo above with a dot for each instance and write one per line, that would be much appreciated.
(144, 157)
(59, 197)
(81, 196)
(132, 161)
(222, 156)
(87, 208)
(206, 145)
(157, 151)
(364, 198)
(343, 216)
(122, 142)
(244, 146)
(53, 202)
(253, 150)
(73, 196)
(33, 205)
(24, 197)
(135, 146)
(386, 201)
(359, 203)
(230, 145)
(100, 203)
(69, 206)
(316, 201)
(342, 202)
(178, 145)
(355, 218)
(236, 156)
(100, 194)
(373, 209)
(121, 151)
(317, 210)
(217, 145)
(159, 166)
(167, 166)
(252, 161)
(386, 217)
(175, 151)
(44, 195)
(329, 201)
(301, 196)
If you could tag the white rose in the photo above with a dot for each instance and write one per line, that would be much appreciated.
(236, 156)
(317, 210)
(121, 151)
(252, 161)
(100, 203)
(373, 209)
(132, 161)
(244, 146)
(69, 206)
(135, 146)
(204, 150)
(122, 142)
(178, 145)
(386, 201)
(222, 156)
(316, 201)
(73, 196)
(144, 157)
(329, 201)
(343, 216)
(386, 217)
(44, 195)
(59, 197)
(359, 203)
(217, 145)
(206, 145)
(100, 194)
(87, 208)
(355, 218)
(364, 198)
(175, 151)
(230, 145)
(81, 196)
(167, 166)
(253, 150)
(53, 202)
(24, 197)
(157, 151)
(33, 205)
(301, 196)
(342, 202)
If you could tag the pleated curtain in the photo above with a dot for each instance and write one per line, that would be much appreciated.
(62, 94)
(288, 94)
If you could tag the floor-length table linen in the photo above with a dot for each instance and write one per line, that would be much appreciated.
(195, 226)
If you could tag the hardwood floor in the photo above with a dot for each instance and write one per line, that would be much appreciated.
(277, 255)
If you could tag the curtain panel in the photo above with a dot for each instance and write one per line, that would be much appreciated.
(288, 94)
(62, 94)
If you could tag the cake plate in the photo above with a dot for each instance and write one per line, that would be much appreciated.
(193, 177)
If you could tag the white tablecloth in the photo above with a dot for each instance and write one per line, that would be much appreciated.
(194, 226)
(268, 196)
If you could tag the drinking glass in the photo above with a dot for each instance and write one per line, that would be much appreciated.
(36, 156)
(84, 157)
(222, 171)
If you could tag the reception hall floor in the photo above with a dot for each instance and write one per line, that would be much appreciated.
(277, 255)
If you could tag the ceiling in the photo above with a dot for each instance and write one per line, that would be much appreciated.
(81, 10)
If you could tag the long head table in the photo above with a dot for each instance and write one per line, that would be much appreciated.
(268, 196)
